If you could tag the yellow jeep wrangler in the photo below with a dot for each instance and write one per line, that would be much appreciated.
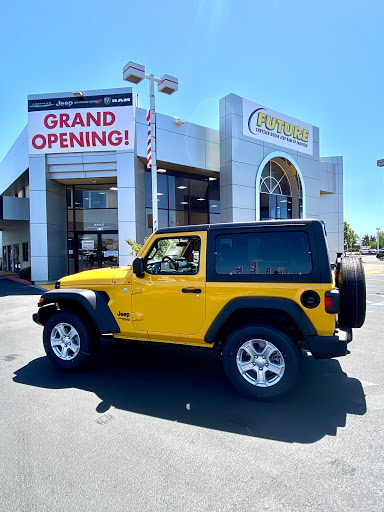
(256, 292)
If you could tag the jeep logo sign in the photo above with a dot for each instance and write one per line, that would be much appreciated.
(270, 126)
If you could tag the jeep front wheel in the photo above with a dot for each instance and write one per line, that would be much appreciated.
(261, 362)
(68, 341)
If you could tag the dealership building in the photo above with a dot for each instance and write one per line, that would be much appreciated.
(75, 185)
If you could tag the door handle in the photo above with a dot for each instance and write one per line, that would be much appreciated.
(191, 290)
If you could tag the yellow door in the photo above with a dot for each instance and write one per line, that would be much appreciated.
(170, 298)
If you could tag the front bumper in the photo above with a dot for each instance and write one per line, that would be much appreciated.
(36, 318)
(326, 347)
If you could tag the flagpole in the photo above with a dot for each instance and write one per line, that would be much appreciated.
(152, 127)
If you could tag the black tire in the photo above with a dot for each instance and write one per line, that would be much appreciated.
(350, 279)
(250, 382)
(81, 347)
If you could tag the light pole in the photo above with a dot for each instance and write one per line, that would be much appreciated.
(378, 239)
(135, 73)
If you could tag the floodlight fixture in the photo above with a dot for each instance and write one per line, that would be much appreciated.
(133, 72)
(168, 84)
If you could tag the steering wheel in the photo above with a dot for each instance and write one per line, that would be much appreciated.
(171, 260)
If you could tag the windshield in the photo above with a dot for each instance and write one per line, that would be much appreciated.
(173, 247)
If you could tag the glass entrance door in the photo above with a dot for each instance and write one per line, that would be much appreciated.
(87, 251)
(109, 244)
(96, 250)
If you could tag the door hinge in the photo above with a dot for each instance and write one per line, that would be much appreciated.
(137, 317)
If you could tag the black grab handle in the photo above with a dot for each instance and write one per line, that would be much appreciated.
(191, 290)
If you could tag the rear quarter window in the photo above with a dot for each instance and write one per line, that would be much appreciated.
(263, 254)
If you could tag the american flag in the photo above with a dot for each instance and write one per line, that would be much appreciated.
(149, 146)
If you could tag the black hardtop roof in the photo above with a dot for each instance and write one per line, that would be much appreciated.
(239, 225)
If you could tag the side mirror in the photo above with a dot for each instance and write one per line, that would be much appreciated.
(138, 267)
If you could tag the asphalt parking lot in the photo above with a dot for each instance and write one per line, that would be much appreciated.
(151, 429)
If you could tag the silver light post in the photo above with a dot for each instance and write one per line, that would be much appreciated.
(380, 163)
(135, 73)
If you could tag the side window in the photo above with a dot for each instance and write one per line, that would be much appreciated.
(174, 256)
(267, 253)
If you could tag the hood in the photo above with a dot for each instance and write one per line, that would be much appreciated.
(98, 276)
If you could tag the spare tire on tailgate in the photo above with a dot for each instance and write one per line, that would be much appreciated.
(350, 280)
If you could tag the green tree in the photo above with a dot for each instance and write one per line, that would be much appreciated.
(350, 237)
(365, 240)
(373, 242)
(135, 246)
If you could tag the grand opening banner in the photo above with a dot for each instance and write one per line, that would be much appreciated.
(90, 123)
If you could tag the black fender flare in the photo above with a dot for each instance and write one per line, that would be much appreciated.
(93, 302)
(286, 305)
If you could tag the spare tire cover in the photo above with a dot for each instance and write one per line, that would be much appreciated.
(350, 279)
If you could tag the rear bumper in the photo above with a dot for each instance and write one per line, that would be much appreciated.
(326, 347)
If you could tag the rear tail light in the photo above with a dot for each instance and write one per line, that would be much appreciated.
(332, 301)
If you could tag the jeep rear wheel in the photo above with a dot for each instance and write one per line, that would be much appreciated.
(261, 362)
(68, 341)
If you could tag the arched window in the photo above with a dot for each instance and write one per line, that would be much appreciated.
(280, 191)
(274, 180)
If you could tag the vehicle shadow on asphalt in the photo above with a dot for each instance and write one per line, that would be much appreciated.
(190, 387)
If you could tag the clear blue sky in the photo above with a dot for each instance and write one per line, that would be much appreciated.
(321, 62)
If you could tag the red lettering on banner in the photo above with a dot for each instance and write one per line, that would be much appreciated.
(50, 124)
(115, 138)
(105, 118)
(96, 120)
(74, 139)
(101, 140)
(79, 130)
(64, 118)
(52, 139)
(77, 120)
(43, 141)
(63, 140)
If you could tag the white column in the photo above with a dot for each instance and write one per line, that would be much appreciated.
(48, 224)
(38, 218)
(131, 203)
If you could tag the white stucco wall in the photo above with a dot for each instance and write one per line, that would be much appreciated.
(15, 162)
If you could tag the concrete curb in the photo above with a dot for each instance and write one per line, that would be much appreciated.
(18, 280)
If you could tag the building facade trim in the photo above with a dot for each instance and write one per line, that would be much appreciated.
(268, 158)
